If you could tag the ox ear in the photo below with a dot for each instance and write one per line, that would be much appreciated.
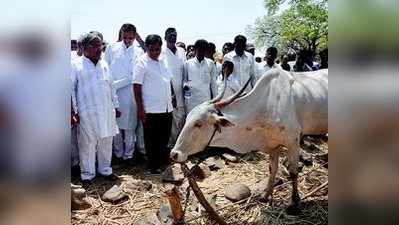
(223, 121)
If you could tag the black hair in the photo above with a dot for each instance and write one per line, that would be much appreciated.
(170, 30)
(152, 39)
(201, 43)
(127, 27)
(273, 51)
(212, 46)
(228, 64)
(239, 38)
(190, 46)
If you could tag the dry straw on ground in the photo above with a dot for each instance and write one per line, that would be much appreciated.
(252, 168)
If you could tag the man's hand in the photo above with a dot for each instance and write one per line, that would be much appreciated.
(118, 113)
(74, 119)
(141, 114)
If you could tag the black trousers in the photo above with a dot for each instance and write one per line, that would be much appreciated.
(157, 129)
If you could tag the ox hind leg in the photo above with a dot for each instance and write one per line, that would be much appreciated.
(273, 167)
(293, 158)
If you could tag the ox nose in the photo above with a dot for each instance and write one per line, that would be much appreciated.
(174, 156)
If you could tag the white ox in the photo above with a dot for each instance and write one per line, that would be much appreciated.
(274, 114)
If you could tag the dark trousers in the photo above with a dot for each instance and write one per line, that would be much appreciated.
(157, 129)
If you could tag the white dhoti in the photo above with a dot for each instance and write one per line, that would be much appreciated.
(88, 150)
(124, 144)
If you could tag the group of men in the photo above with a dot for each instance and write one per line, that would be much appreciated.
(133, 95)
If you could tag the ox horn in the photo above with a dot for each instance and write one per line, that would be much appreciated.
(229, 100)
(221, 94)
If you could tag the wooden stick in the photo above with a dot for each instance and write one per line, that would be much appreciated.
(175, 205)
(315, 190)
(200, 196)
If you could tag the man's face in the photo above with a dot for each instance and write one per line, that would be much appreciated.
(226, 70)
(269, 58)
(171, 37)
(240, 45)
(93, 51)
(285, 59)
(226, 49)
(154, 51)
(128, 38)
(201, 52)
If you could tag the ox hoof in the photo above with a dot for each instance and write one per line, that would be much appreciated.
(293, 210)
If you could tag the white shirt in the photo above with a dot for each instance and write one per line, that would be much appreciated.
(201, 78)
(218, 68)
(244, 67)
(156, 84)
(175, 63)
(232, 85)
(94, 98)
(74, 55)
(263, 67)
(121, 61)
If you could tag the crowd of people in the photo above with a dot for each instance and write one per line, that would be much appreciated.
(131, 98)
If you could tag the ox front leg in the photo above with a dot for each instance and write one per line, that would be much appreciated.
(273, 167)
(293, 157)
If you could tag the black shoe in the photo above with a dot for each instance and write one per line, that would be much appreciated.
(87, 183)
(111, 177)
(131, 162)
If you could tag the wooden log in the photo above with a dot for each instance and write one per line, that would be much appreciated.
(175, 205)
(200, 196)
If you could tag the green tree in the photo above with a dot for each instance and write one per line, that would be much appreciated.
(292, 25)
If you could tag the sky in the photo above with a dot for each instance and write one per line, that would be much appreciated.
(218, 21)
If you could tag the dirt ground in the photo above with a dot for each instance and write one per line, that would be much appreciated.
(250, 169)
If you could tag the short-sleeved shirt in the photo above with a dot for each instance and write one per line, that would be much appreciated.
(155, 79)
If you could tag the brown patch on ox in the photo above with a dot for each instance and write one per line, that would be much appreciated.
(249, 128)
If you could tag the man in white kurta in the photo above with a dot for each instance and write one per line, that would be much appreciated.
(244, 63)
(121, 57)
(199, 77)
(174, 58)
(94, 101)
(232, 86)
(268, 64)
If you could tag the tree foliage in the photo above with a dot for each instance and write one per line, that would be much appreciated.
(292, 25)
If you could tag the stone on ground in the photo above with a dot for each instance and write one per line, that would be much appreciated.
(149, 219)
(78, 200)
(237, 192)
(114, 195)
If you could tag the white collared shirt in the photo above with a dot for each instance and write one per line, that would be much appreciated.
(232, 85)
(201, 78)
(94, 98)
(244, 67)
(175, 63)
(121, 61)
(156, 84)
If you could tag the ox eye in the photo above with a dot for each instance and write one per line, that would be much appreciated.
(197, 125)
